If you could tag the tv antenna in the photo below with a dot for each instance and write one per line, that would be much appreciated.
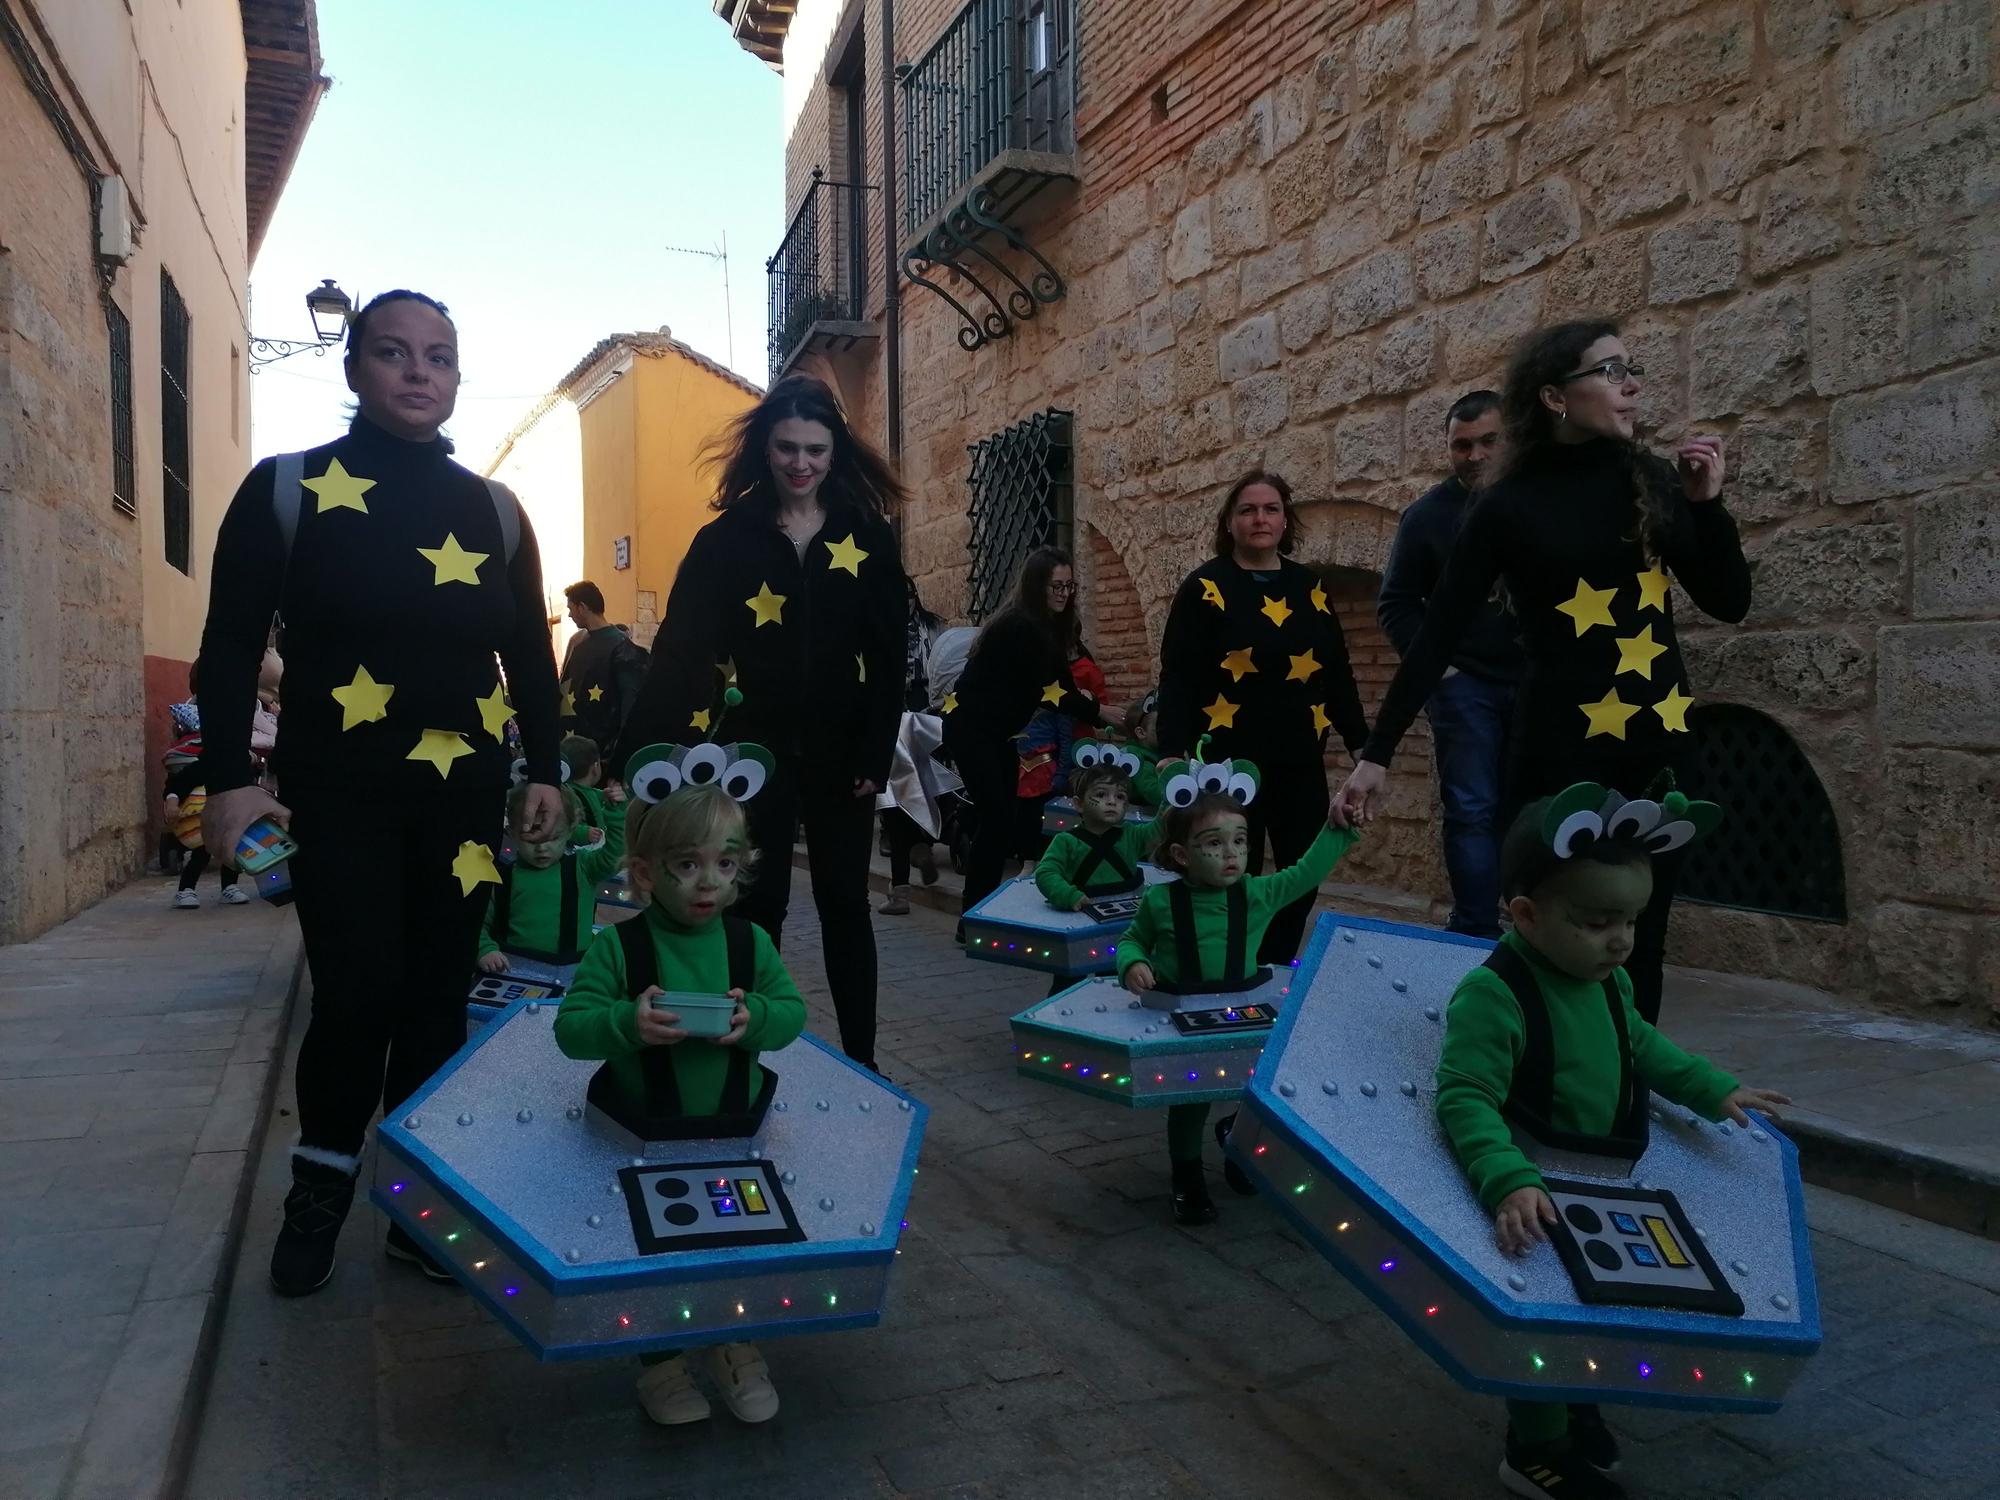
(720, 254)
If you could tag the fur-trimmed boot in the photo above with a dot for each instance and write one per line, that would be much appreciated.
(315, 1208)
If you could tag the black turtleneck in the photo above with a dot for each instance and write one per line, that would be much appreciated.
(1563, 534)
(358, 595)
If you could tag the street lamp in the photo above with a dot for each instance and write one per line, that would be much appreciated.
(330, 308)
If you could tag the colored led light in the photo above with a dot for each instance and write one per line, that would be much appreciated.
(1301, 1188)
(452, 1238)
(1431, 1311)
(397, 1187)
(1645, 1370)
(1748, 1378)
(1538, 1361)
(423, 1213)
(832, 1300)
(786, 1300)
(512, 1291)
(1388, 1265)
(1193, 1076)
(1261, 1150)
(1593, 1365)
(1341, 1227)
(1697, 1374)
(479, 1265)
(623, 1321)
(685, 1314)
(739, 1309)
(1047, 1058)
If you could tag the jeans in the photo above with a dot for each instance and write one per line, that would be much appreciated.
(1469, 718)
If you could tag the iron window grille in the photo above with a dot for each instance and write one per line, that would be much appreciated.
(124, 483)
(176, 446)
(1022, 499)
(1777, 849)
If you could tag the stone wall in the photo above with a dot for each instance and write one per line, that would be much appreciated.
(1301, 231)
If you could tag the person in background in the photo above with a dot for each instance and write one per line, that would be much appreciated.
(1473, 706)
(901, 837)
(602, 668)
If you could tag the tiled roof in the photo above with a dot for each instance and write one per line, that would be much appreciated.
(281, 89)
(759, 27)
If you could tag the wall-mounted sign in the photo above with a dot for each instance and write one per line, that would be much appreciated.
(621, 553)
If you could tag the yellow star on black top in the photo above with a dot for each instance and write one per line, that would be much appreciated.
(494, 712)
(1238, 664)
(1588, 606)
(596, 694)
(1221, 713)
(1319, 599)
(440, 747)
(1321, 723)
(1277, 610)
(1673, 710)
(950, 702)
(568, 702)
(1653, 588)
(1053, 695)
(1608, 715)
(452, 562)
(364, 700)
(339, 490)
(846, 556)
(700, 720)
(1210, 594)
(769, 608)
(1303, 667)
(1636, 653)
(473, 867)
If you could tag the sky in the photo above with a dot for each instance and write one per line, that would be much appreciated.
(527, 163)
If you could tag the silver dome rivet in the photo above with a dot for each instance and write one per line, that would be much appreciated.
(867, 1105)
(1368, 1091)
(411, 1122)
(1329, 1087)
(1431, 1012)
(1131, 1004)
(867, 1228)
(788, 1178)
(574, 1112)
(1409, 1089)
(1101, 1009)
(1064, 1011)
(534, 1007)
(821, 1104)
(1288, 1089)
(638, 1161)
(1517, 1283)
(781, 1106)
(572, 1256)
(1374, 960)
(1346, 935)
(1739, 1268)
(1758, 1135)
(902, 1104)
(595, 1221)
(466, 1118)
(1782, 1302)
(524, 1116)
(1400, 986)
(826, 1205)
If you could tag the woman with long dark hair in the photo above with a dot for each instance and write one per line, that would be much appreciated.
(1019, 664)
(1254, 658)
(1585, 529)
(796, 589)
(400, 577)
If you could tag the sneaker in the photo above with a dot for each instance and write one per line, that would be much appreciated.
(743, 1381)
(898, 904)
(1553, 1469)
(232, 895)
(1192, 1205)
(1231, 1173)
(315, 1208)
(1592, 1439)
(926, 861)
(186, 901)
(668, 1394)
(399, 1246)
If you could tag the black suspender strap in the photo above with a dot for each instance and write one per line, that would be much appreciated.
(1236, 962)
(1531, 1096)
(1181, 899)
(642, 965)
(503, 907)
(1102, 849)
(1235, 948)
(566, 932)
(742, 945)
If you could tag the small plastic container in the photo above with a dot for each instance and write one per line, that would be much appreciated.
(700, 1015)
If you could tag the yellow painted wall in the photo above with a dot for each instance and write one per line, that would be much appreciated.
(610, 474)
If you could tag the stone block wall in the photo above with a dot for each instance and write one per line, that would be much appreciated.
(1301, 230)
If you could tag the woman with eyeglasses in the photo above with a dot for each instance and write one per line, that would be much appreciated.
(1585, 530)
(1019, 664)
(1254, 659)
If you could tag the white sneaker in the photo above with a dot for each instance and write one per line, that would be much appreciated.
(744, 1382)
(232, 895)
(186, 900)
(668, 1394)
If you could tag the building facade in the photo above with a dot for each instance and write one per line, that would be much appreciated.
(146, 148)
(610, 468)
(1101, 256)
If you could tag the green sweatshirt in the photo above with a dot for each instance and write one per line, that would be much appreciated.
(599, 1020)
(1146, 784)
(601, 812)
(1150, 938)
(534, 924)
(1055, 876)
(1483, 1042)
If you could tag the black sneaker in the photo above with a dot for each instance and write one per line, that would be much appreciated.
(315, 1208)
(1192, 1205)
(399, 1246)
(1592, 1439)
(1231, 1173)
(1554, 1469)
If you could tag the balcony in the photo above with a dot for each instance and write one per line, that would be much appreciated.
(818, 277)
(989, 122)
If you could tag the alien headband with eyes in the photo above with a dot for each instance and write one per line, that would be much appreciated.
(656, 772)
(1092, 753)
(1586, 815)
(520, 771)
(1196, 777)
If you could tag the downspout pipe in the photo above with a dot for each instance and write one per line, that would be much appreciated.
(892, 307)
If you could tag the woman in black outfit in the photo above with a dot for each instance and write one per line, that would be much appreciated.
(796, 584)
(1019, 665)
(1254, 658)
(400, 577)
(1585, 530)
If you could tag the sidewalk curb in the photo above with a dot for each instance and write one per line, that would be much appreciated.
(1832, 1155)
(287, 968)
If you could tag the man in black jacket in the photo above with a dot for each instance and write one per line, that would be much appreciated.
(1471, 711)
(601, 670)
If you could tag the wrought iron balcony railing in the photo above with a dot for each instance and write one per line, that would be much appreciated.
(1002, 78)
(818, 278)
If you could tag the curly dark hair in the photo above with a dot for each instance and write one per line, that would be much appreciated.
(859, 475)
(1225, 544)
(1528, 427)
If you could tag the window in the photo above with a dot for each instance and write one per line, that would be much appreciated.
(1038, 39)
(1777, 849)
(124, 485)
(175, 435)
(1021, 500)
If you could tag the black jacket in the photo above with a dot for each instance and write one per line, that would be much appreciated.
(1258, 662)
(1491, 645)
(817, 644)
(601, 674)
(1563, 534)
(1014, 672)
(357, 595)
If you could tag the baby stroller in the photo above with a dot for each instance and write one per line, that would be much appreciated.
(948, 654)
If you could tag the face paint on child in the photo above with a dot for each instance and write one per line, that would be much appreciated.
(694, 885)
(1582, 918)
(542, 853)
(1104, 806)
(1217, 852)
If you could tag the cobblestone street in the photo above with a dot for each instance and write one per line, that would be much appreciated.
(1051, 1333)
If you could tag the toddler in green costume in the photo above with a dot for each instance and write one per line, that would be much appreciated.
(1203, 930)
(690, 858)
(1576, 870)
(546, 903)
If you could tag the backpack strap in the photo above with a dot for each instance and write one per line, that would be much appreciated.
(287, 494)
(507, 508)
(1530, 1099)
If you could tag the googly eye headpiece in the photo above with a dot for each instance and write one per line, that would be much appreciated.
(1586, 815)
(520, 771)
(1090, 753)
(1197, 777)
(655, 772)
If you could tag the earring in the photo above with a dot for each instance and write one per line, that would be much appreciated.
(1562, 416)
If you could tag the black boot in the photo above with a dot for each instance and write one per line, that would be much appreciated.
(1231, 1173)
(315, 1208)
(1555, 1470)
(1192, 1205)
(399, 1246)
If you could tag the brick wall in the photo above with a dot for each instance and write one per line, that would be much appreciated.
(1302, 230)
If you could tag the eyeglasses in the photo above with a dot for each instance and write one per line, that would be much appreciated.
(1062, 588)
(1614, 371)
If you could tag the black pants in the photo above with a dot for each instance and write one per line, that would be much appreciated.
(1541, 773)
(195, 863)
(990, 771)
(839, 830)
(903, 834)
(1290, 806)
(390, 938)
